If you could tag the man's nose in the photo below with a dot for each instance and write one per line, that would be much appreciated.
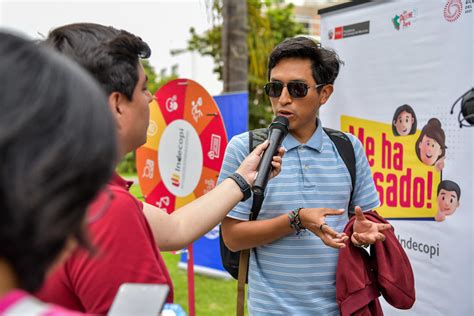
(285, 96)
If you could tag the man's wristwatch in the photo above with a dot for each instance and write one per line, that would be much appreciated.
(243, 185)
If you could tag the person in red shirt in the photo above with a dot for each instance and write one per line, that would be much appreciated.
(58, 148)
(127, 233)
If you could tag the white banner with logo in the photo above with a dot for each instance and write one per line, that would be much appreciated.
(406, 63)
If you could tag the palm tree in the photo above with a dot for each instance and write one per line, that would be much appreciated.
(234, 45)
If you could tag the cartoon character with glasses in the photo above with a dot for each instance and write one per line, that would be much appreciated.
(312, 190)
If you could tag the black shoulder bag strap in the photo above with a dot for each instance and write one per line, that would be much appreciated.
(258, 135)
(346, 151)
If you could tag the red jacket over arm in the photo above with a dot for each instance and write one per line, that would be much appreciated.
(360, 278)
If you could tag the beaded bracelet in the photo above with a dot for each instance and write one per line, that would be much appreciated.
(295, 221)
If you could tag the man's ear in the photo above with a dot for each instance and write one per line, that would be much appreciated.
(115, 102)
(116, 105)
(326, 92)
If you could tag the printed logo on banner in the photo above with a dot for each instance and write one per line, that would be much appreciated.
(180, 158)
(152, 128)
(452, 10)
(148, 169)
(404, 19)
(406, 165)
(195, 109)
(351, 30)
(175, 179)
(163, 202)
(330, 34)
(210, 184)
(468, 6)
(215, 147)
(171, 103)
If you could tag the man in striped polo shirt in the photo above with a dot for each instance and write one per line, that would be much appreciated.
(292, 270)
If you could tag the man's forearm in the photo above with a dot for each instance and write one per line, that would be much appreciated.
(190, 222)
(240, 235)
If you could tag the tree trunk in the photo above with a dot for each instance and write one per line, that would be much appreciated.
(234, 45)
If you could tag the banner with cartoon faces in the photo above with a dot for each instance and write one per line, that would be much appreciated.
(406, 63)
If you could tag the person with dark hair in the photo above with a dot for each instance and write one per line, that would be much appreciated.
(295, 237)
(130, 234)
(449, 194)
(430, 146)
(58, 148)
(404, 121)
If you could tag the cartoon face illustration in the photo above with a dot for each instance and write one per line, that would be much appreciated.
(448, 202)
(430, 150)
(404, 121)
(449, 194)
(430, 146)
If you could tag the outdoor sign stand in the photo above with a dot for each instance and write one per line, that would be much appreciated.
(405, 64)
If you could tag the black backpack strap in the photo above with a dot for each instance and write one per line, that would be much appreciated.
(346, 151)
(256, 137)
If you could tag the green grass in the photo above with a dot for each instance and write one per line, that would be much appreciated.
(213, 296)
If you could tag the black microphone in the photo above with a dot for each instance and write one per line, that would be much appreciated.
(277, 132)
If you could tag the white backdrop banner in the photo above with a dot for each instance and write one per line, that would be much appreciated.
(406, 62)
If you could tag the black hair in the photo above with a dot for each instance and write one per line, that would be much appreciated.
(449, 185)
(110, 55)
(58, 147)
(398, 111)
(325, 63)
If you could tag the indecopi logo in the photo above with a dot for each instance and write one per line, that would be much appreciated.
(452, 10)
(175, 176)
(175, 179)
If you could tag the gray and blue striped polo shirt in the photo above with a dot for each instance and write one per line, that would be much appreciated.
(296, 275)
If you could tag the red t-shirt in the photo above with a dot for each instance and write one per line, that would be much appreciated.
(125, 252)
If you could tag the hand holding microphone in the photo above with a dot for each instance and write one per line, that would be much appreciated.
(278, 131)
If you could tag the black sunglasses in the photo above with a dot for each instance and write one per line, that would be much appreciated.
(295, 89)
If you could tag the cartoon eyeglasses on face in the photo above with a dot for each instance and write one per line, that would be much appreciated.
(296, 89)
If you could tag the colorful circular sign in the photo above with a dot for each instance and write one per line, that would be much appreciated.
(185, 146)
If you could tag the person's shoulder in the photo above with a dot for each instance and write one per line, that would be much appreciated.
(240, 141)
(354, 140)
(356, 143)
(242, 137)
(123, 197)
(119, 208)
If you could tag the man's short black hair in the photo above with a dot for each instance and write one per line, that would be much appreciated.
(325, 62)
(110, 55)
